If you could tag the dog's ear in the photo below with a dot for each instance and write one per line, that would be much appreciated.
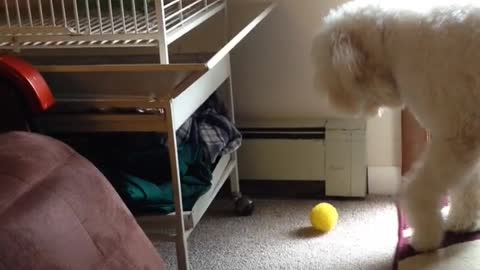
(347, 57)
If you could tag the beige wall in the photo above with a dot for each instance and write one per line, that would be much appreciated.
(274, 62)
(273, 78)
(384, 140)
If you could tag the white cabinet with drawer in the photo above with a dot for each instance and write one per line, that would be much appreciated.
(345, 158)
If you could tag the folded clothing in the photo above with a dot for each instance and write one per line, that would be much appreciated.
(211, 128)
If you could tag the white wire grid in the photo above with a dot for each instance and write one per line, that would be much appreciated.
(96, 23)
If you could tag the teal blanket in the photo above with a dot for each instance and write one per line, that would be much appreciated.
(142, 195)
(138, 166)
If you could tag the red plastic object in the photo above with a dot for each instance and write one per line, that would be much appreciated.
(29, 81)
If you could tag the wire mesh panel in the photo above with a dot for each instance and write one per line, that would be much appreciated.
(80, 23)
(179, 11)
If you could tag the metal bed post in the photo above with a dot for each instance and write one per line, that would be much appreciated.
(234, 178)
(180, 235)
(162, 28)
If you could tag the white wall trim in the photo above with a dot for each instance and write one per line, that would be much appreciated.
(384, 180)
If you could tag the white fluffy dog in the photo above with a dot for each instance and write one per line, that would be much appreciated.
(424, 55)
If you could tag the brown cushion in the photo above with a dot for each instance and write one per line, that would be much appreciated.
(57, 211)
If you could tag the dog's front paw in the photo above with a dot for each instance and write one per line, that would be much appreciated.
(462, 224)
(426, 241)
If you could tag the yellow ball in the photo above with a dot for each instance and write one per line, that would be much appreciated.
(324, 217)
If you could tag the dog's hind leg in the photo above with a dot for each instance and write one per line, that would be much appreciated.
(445, 165)
(464, 215)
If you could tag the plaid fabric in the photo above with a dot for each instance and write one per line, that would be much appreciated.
(183, 133)
(210, 127)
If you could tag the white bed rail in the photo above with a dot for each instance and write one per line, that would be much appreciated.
(99, 23)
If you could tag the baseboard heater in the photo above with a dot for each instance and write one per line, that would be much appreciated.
(334, 153)
(282, 154)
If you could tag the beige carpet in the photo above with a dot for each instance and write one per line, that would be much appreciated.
(278, 236)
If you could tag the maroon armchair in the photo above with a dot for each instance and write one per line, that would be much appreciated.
(57, 211)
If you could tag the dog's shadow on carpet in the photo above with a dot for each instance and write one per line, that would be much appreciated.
(305, 233)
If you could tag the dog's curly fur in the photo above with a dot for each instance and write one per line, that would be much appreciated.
(423, 55)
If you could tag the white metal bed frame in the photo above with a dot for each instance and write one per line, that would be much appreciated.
(149, 111)
(165, 114)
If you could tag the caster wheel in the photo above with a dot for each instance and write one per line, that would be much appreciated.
(244, 206)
